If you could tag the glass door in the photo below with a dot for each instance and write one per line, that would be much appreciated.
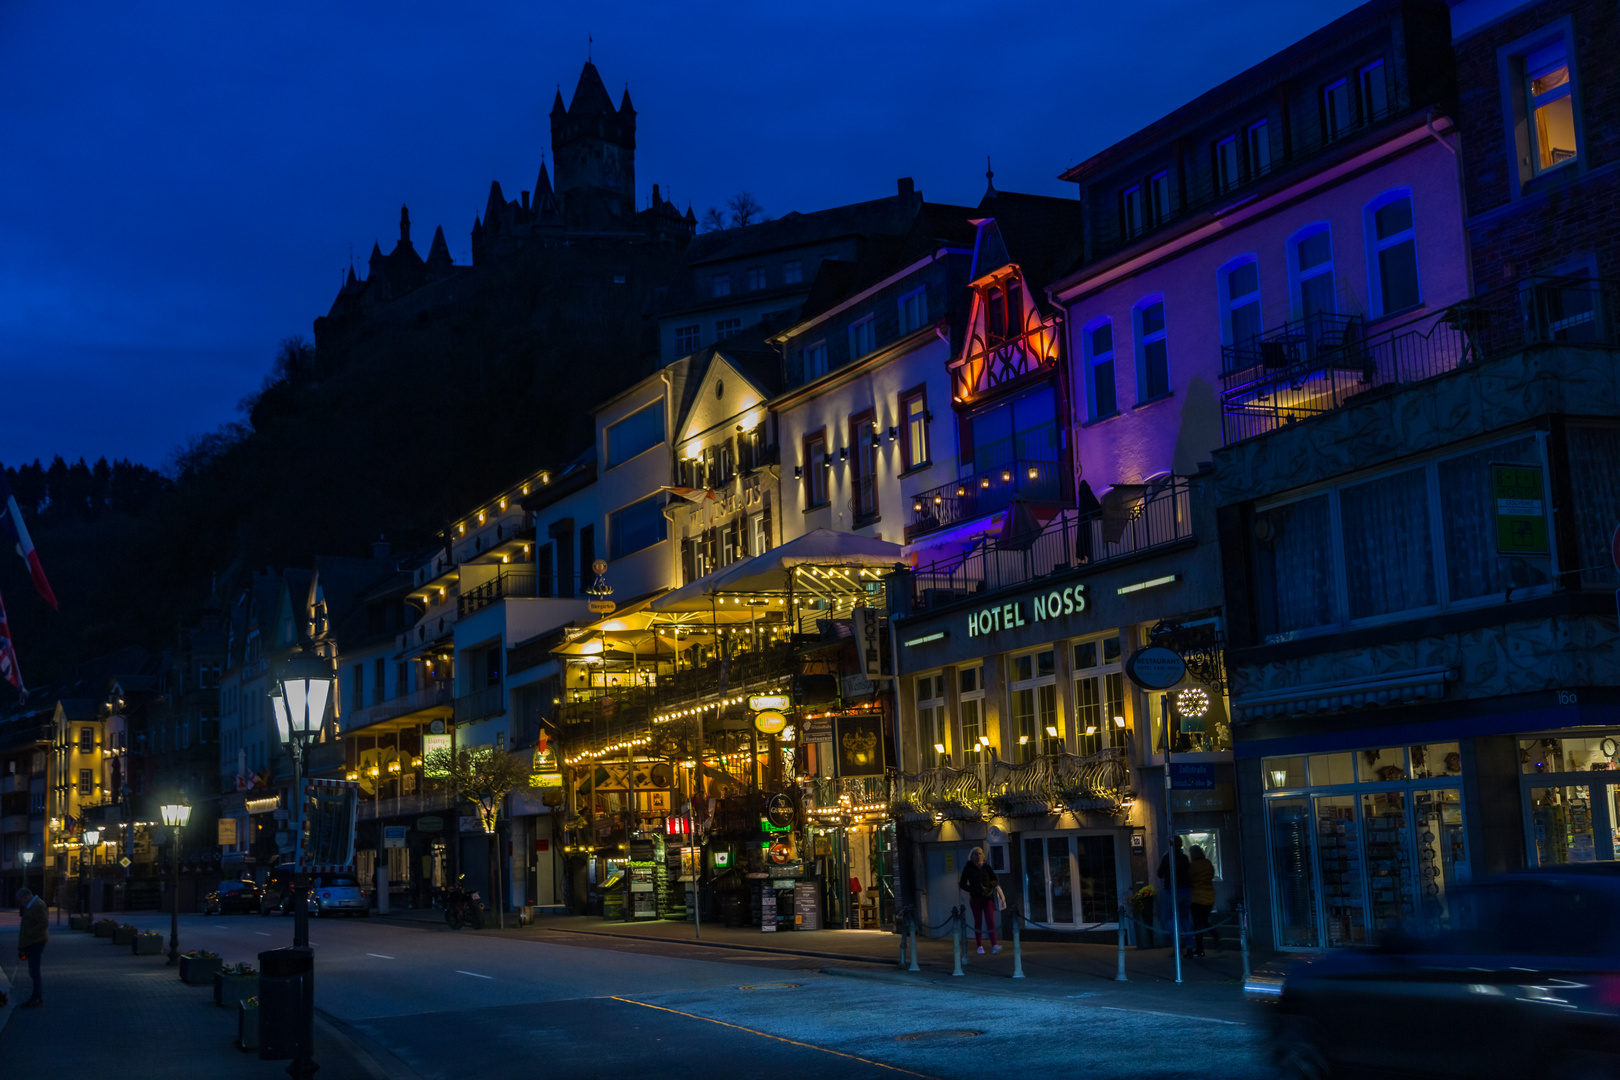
(1070, 880)
(1442, 851)
(1387, 857)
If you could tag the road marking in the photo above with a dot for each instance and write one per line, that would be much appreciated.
(475, 974)
(1178, 1016)
(778, 1038)
(261, 933)
(379, 956)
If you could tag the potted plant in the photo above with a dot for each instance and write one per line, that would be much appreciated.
(1141, 913)
(247, 1023)
(78, 922)
(124, 934)
(197, 967)
(104, 927)
(148, 944)
(235, 984)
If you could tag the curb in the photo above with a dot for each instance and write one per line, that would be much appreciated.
(889, 960)
(366, 1051)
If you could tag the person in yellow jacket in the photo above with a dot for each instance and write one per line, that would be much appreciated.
(1201, 876)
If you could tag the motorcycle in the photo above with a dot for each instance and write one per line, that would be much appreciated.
(463, 907)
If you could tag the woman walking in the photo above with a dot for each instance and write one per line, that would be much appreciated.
(1201, 876)
(979, 882)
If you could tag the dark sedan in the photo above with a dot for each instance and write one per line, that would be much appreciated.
(1525, 983)
(232, 896)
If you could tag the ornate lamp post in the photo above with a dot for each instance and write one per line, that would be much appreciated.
(28, 861)
(299, 700)
(175, 816)
(92, 841)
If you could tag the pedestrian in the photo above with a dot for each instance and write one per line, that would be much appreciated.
(1201, 876)
(31, 938)
(979, 882)
(1182, 897)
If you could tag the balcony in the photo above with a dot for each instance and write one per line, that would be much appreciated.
(978, 496)
(481, 704)
(1285, 378)
(435, 695)
(752, 671)
(425, 802)
(505, 583)
(1048, 784)
(1160, 516)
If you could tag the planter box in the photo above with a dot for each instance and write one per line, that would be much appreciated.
(147, 945)
(104, 928)
(247, 1027)
(232, 990)
(198, 970)
(79, 922)
(124, 935)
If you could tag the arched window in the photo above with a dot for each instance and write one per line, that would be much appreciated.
(1239, 285)
(1097, 342)
(1392, 267)
(1310, 273)
(1152, 351)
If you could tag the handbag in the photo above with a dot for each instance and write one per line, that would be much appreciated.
(1001, 899)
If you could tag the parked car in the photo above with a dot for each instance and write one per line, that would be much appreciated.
(339, 894)
(232, 896)
(276, 893)
(1525, 981)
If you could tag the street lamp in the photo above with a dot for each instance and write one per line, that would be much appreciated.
(92, 840)
(299, 700)
(175, 816)
(28, 860)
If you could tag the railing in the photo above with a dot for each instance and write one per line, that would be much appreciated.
(1321, 333)
(490, 701)
(1161, 516)
(1534, 311)
(424, 802)
(505, 583)
(1099, 781)
(629, 705)
(435, 694)
(975, 496)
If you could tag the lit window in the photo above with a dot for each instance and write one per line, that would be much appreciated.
(1037, 723)
(1099, 348)
(1152, 356)
(1552, 107)
(914, 408)
(688, 339)
(722, 285)
(975, 739)
(1392, 252)
(933, 723)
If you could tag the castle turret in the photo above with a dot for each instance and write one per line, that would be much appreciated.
(594, 148)
(439, 263)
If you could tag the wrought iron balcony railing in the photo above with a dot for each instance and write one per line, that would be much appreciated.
(1100, 781)
(505, 583)
(989, 491)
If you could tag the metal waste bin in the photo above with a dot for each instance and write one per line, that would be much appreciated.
(286, 979)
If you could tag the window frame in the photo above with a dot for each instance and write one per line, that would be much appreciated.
(1133, 210)
(1257, 136)
(615, 552)
(816, 349)
(920, 295)
(792, 272)
(1332, 132)
(1040, 743)
(757, 278)
(1376, 245)
(974, 753)
(1298, 276)
(1364, 102)
(1160, 197)
(940, 718)
(864, 464)
(817, 479)
(1518, 114)
(1087, 348)
(719, 285)
(863, 327)
(909, 460)
(1101, 673)
(727, 328)
(607, 435)
(1223, 291)
(1141, 339)
(1224, 182)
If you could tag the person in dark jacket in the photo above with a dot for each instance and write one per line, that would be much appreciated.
(31, 937)
(979, 882)
(1183, 893)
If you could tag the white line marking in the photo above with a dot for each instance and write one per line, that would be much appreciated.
(475, 975)
(1178, 1016)
(261, 933)
(379, 956)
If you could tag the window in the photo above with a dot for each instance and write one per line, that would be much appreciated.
(87, 783)
(1259, 149)
(913, 310)
(1550, 101)
(995, 314)
(1310, 268)
(863, 456)
(792, 272)
(756, 277)
(87, 740)
(1336, 120)
(759, 536)
(1374, 91)
(975, 739)
(862, 337)
(358, 698)
(1099, 695)
(933, 723)
(1159, 185)
(1037, 727)
(1132, 216)
(379, 685)
(1392, 252)
(688, 339)
(1240, 299)
(724, 328)
(639, 525)
(1423, 538)
(1227, 175)
(1099, 349)
(721, 285)
(914, 434)
(815, 360)
(1152, 358)
(635, 434)
(587, 549)
(816, 467)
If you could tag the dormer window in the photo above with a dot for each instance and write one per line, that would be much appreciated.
(721, 284)
(995, 313)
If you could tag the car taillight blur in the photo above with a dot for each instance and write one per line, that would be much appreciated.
(326, 896)
(1607, 988)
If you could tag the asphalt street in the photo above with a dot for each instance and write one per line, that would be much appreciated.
(424, 1001)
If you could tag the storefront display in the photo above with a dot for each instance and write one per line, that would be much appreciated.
(1569, 786)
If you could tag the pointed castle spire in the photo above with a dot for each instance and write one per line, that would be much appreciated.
(989, 178)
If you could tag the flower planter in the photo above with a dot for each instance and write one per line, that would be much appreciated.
(104, 927)
(231, 990)
(79, 922)
(124, 935)
(247, 1026)
(147, 945)
(198, 970)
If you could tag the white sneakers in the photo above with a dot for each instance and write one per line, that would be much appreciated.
(994, 948)
(981, 950)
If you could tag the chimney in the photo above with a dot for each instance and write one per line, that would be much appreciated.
(381, 548)
(907, 189)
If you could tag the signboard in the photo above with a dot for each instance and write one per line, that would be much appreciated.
(430, 824)
(761, 702)
(1036, 609)
(325, 837)
(436, 727)
(767, 910)
(431, 743)
(869, 641)
(1521, 518)
(545, 754)
(779, 809)
(1192, 776)
(1218, 797)
(769, 722)
(818, 730)
(1155, 668)
(393, 836)
(227, 832)
(859, 742)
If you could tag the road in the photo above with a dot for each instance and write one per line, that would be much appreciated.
(428, 1002)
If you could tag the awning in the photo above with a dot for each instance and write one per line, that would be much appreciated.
(771, 572)
(1397, 688)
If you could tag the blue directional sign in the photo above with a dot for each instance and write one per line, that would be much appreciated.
(1192, 776)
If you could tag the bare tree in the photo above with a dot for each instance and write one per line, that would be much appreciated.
(483, 776)
(745, 210)
(713, 220)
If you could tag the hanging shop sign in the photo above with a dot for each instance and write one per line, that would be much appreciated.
(545, 754)
(869, 641)
(1034, 609)
(860, 744)
(1521, 519)
(779, 810)
(769, 722)
(761, 702)
(818, 730)
(430, 824)
(227, 831)
(1155, 668)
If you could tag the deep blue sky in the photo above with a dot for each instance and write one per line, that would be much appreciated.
(182, 183)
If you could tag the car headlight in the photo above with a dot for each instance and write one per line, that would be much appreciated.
(1263, 988)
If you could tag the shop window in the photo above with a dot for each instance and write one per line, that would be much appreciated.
(1283, 772)
(1558, 755)
(975, 739)
(1037, 725)
(1381, 766)
(932, 721)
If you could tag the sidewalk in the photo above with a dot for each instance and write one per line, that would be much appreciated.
(108, 1012)
(1210, 987)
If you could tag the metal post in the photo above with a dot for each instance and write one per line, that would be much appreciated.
(901, 919)
(956, 941)
(1018, 950)
(174, 904)
(303, 1065)
(1243, 937)
(1120, 975)
(1170, 830)
(914, 966)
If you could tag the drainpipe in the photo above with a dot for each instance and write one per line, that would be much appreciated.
(1462, 195)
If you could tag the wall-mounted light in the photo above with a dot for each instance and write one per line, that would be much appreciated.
(1023, 739)
(1119, 721)
(826, 463)
(798, 472)
(843, 453)
(1051, 731)
(877, 439)
(984, 481)
(894, 433)
(939, 748)
(917, 506)
(984, 740)
(1006, 476)
(1034, 472)
(1091, 729)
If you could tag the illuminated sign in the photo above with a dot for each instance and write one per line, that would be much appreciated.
(1009, 616)
(769, 722)
(761, 702)
(430, 743)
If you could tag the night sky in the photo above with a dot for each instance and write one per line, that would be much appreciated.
(182, 184)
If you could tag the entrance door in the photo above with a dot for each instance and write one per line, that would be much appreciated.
(1070, 881)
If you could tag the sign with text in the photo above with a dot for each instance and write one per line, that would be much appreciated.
(1192, 776)
(859, 744)
(1036, 609)
(1521, 519)
(818, 730)
(869, 641)
(1155, 668)
(393, 836)
(227, 832)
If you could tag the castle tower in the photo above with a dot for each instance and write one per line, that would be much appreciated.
(593, 148)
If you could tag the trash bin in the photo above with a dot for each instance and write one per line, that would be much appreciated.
(286, 977)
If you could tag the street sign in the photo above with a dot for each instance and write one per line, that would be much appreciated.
(1190, 776)
(124, 862)
(394, 836)
(1155, 668)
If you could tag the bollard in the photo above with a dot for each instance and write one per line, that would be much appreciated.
(1120, 976)
(961, 921)
(914, 966)
(956, 941)
(1243, 938)
(900, 925)
(1018, 952)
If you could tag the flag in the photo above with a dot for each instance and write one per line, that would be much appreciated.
(8, 655)
(12, 528)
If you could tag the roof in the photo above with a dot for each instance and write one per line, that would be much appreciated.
(1041, 234)
(795, 229)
